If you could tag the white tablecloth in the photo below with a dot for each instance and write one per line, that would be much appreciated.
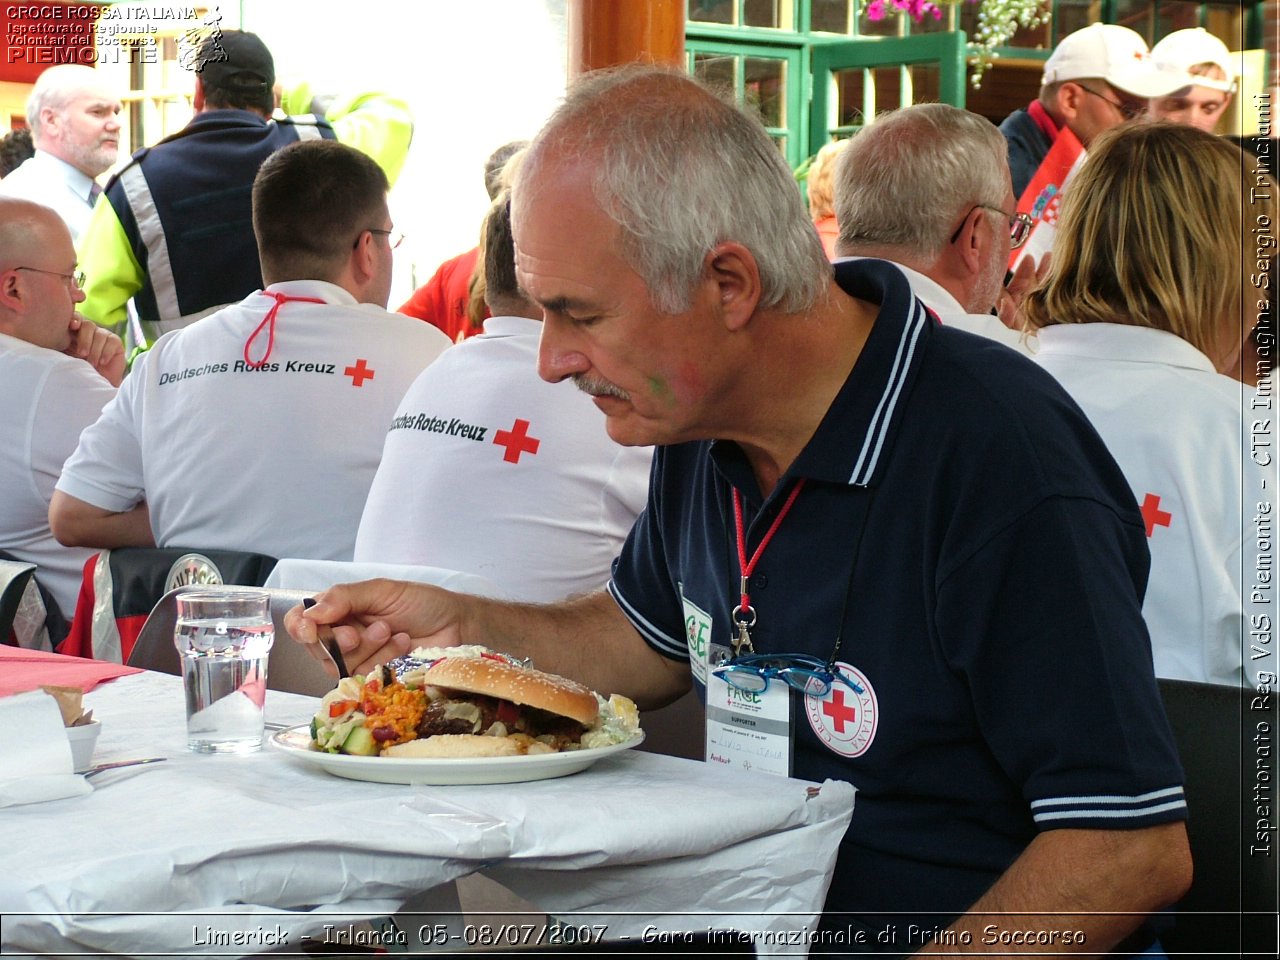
(244, 852)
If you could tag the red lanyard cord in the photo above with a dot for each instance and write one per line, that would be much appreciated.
(743, 615)
(269, 321)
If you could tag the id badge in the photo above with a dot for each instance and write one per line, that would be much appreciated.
(749, 731)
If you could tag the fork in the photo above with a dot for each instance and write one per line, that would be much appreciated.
(117, 764)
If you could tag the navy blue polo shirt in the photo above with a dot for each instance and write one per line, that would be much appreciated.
(966, 535)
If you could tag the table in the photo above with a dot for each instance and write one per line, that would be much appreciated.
(228, 855)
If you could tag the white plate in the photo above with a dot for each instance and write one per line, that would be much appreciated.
(296, 742)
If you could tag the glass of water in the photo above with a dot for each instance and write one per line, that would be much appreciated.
(224, 635)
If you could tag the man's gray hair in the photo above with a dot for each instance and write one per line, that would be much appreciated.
(53, 90)
(681, 170)
(906, 180)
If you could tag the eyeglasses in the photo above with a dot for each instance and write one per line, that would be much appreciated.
(1129, 111)
(1020, 224)
(394, 237)
(751, 673)
(76, 279)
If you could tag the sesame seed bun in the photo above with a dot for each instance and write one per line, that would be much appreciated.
(522, 685)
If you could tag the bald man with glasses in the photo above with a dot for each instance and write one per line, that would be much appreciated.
(57, 372)
(947, 219)
(1095, 79)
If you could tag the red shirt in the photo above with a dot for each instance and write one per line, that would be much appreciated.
(442, 300)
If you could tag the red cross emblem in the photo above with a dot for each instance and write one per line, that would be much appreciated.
(844, 719)
(517, 441)
(838, 711)
(1153, 515)
(358, 373)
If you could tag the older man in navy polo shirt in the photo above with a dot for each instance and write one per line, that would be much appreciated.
(934, 560)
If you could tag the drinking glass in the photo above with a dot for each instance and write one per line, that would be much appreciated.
(224, 635)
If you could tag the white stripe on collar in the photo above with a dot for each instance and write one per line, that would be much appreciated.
(865, 467)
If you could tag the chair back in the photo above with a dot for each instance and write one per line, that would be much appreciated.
(1231, 905)
(121, 587)
(14, 577)
(289, 667)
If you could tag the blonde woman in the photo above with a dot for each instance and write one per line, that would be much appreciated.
(1147, 303)
(821, 190)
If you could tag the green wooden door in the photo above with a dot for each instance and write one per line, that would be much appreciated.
(770, 78)
(853, 80)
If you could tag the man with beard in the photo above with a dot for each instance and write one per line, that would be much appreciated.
(74, 126)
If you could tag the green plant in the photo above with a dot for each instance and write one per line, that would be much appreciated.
(998, 20)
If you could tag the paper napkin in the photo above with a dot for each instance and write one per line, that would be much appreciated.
(35, 755)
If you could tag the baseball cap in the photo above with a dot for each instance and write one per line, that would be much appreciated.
(1184, 49)
(236, 60)
(1115, 54)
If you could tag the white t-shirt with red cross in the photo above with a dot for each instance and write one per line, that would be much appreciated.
(1179, 431)
(275, 458)
(490, 470)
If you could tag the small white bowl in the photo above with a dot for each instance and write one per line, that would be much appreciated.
(83, 739)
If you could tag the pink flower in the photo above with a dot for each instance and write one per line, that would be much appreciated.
(875, 10)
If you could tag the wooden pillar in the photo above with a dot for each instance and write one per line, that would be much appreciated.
(606, 33)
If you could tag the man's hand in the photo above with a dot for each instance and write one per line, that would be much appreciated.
(99, 347)
(1025, 278)
(377, 620)
(586, 638)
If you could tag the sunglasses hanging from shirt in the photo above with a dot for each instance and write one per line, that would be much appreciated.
(749, 717)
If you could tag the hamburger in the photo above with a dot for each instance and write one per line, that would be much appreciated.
(477, 704)
(492, 708)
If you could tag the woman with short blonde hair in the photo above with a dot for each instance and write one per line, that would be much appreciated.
(1152, 234)
(1159, 269)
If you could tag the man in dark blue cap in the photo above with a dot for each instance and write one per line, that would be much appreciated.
(176, 234)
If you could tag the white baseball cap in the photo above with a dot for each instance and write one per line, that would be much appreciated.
(1183, 49)
(1115, 54)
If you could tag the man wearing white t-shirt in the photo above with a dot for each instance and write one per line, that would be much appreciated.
(260, 427)
(73, 119)
(491, 470)
(57, 372)
(946, 218)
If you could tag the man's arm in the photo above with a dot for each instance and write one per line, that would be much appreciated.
(587, 639)
(1102, 883)
(78, 524)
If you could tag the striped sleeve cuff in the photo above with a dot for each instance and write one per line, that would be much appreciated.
(674, 648)
(1111, 812)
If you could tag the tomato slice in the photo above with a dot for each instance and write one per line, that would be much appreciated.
(508, 712)
(339, 707)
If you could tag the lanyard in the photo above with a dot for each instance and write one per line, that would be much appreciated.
(744, 615)
(269, 321)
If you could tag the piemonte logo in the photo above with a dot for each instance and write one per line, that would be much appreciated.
(193, 53)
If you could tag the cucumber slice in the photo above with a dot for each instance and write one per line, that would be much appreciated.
(360, 742)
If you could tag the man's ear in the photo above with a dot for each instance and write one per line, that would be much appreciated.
(50, 124)
(969, 245)
(12, 294)
(735, 275)
(197, 99)
(1067, 100)
(363, 259)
